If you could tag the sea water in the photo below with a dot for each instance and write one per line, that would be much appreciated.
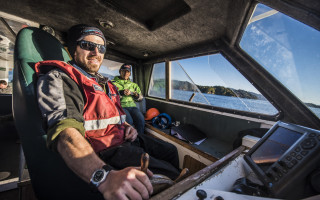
(261, 106)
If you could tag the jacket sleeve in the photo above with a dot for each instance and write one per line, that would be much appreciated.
(61, 103)
(119, 87)
(138, 91)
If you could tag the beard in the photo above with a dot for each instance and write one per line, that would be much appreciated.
(88, 66)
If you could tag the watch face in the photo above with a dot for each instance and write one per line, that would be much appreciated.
(98, 176)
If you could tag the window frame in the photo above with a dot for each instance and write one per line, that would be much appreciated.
(275, 117)
(149, 85)
(236, 55)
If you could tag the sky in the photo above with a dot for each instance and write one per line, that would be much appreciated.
(288, 49)
(215, 71)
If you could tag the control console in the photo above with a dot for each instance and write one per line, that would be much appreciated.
(284, 158)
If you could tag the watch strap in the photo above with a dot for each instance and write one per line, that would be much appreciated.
(107, 169)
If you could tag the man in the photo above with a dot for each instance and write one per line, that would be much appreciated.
(5, 88)
(85, 121)
(130, 92)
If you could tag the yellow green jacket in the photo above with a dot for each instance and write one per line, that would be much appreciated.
(127, 101)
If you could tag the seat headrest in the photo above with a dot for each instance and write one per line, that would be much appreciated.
(36, 45)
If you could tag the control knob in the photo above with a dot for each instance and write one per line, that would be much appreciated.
(201, 194)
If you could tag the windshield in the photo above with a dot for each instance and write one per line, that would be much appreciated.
(289, 50)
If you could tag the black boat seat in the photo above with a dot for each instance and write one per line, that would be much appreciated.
(6, 104)
(50, 176)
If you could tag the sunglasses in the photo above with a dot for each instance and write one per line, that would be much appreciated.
(90, 46)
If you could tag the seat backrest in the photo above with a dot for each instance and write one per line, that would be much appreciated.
(50, 176)
(6, 104)
(141, 105)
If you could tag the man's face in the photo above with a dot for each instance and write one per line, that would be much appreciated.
(124, 74)
(3, 86)
(90, 61)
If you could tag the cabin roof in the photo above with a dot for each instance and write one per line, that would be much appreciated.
(149, 29)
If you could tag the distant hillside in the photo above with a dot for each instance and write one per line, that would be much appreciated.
(221, 90)
(182, 85)
(217, 90)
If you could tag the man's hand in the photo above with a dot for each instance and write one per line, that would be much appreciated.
(127, 92)
(135, 94)
(129, 183)
(130, 133)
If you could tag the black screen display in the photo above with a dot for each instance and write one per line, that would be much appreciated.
(274, 147)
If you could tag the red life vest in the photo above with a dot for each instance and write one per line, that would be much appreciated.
(104, 117)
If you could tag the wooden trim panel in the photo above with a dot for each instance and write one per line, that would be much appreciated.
(184, 144)
(192, 164)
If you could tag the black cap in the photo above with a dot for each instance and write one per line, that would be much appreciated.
(126, 67)
(78, 32)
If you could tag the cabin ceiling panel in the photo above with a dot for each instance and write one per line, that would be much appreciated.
(236, 16)
(177, 24)
(310, 5)
(155, 27)
(150, 13)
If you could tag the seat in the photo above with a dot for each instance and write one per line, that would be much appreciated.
(141, 105)
(6, 105)
(50, 176)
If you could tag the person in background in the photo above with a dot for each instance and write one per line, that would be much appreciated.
(129, 93)
(5, 88)
(85, 122)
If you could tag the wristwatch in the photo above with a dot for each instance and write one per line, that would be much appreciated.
(99, 176)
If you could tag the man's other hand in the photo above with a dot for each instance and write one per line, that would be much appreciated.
(130, 133)
(135, 94)
(129, 183)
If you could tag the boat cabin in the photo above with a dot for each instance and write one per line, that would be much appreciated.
(236, 84)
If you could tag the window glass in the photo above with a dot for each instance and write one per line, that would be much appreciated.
(7, 41)
(182, 86)
(214, 81)
(110, 69)
(157, 85)
(289, 50)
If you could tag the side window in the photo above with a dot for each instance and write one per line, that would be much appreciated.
(212, 80)
(110, 69)
(287, 49)
(182, 86)
(157, 84)
(7, 41)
